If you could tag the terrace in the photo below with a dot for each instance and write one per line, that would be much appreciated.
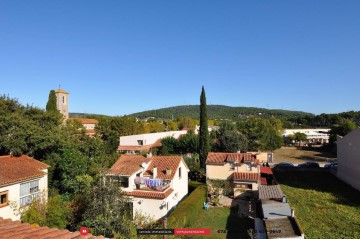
(149, 184)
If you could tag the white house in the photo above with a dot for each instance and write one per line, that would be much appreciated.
(154, 185)
(348, 153)
(21, 180)
(314, 136)
(145, 142)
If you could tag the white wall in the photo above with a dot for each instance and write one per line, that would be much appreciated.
(14, 196)
(348, 152)
(154, 208)
(180, 184)
(132, 140)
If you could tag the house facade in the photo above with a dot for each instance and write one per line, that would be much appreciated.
(153, 185)
(132, 144)
(22, 179)
(242, 170)
(348, 153)
(88, 124)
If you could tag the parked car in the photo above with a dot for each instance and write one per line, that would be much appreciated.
(331, 165)
(309, 165)
(284, 165)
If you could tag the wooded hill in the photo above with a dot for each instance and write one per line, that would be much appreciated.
(219, 112)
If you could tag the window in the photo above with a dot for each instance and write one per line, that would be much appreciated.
(4, 198)
(28, 192)
(179, 172)
(140, 142)
(63, 99)
(121, 181)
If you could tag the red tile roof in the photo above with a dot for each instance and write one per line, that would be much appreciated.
(90, 131)
(266, 170)
(128, 164)
(16, 230)
(162, 163)
(17, 169)
(150, 194)
(246, 176)
(263, 181)
(61, 91)
(222, 158)
(85, 120)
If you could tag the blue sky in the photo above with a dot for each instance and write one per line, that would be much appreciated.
(121, 57)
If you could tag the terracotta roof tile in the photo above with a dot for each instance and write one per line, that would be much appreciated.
(162, 163)
(222, 158)
(150, 194)
(16, 230)
(263, 181)
(246, 176)
(16, 169)
(61, 91)
(127, 164)
(90, 131)
(266, 170)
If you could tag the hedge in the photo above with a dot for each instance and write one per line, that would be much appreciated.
(186, 212)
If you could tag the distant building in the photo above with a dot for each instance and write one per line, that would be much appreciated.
(62, 102)
(154, 185)
(145, 142)
(242, 170)
(314, 136)
(22, 179)
(348, 154)
(88, 124)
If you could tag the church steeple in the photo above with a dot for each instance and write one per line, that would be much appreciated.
(62, 102)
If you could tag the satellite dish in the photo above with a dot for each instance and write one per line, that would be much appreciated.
(143, 165)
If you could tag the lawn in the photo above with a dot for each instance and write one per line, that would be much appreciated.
(325, 206)
(223, 223)
(295, 155)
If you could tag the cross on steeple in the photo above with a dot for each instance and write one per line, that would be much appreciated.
(59, 86)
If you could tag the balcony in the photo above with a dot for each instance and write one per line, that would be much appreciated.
(150, 184)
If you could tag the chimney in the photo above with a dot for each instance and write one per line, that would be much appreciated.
(154, 172)
(168, 171)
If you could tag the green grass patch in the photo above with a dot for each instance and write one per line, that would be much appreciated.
(186, 212)
(325, 206)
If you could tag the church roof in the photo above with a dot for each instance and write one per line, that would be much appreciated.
(61, 91)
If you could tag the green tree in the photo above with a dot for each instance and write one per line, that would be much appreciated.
(204, 144)
(188, 143)
(51, 104)
(52, 212)
(108, 211)
(230, 139)
(169, 145)
(300, 137)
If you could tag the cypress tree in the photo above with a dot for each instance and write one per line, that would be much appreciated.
(51, 104)
(203, 134)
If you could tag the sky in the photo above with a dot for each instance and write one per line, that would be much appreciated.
(121, 57)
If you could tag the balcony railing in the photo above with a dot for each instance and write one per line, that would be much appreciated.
(150, 183)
